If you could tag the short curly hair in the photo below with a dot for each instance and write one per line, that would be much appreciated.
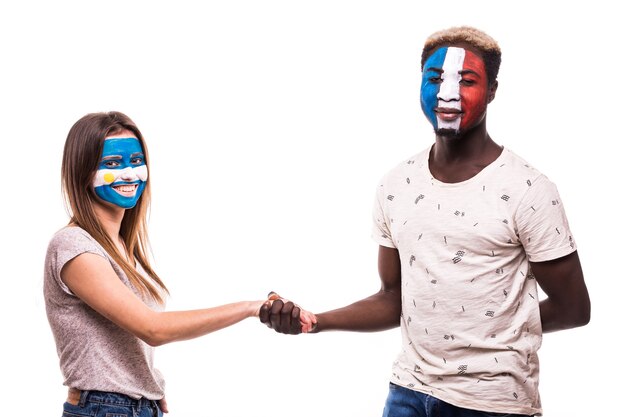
(478, 39)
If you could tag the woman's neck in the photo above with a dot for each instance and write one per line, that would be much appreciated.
(111, 220)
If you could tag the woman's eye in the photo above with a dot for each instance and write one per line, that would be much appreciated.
(111, 164)
(136, 161)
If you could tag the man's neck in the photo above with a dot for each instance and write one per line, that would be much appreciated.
(459, 158)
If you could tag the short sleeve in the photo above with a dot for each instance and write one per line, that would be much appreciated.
(380, 229)
(64, 246)
(542, 224)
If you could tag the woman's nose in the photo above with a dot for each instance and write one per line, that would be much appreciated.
(128, 174)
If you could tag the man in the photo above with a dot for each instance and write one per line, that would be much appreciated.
(467, 229)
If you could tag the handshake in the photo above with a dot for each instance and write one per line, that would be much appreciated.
(286, 317)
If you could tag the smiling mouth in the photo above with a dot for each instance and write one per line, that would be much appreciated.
(127, 190)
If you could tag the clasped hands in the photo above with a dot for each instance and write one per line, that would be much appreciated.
(286, 317)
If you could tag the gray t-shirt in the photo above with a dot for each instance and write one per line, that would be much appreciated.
(94, 353)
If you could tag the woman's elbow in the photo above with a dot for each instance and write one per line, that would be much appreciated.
(153, 341)
(153, 334)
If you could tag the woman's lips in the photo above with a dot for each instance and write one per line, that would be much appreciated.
(127, 190)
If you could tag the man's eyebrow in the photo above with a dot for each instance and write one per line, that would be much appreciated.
(469, 71)
(435, 69)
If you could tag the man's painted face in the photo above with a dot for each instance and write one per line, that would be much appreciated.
(454, 89)
(122, 173)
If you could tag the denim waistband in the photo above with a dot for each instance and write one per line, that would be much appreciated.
(114, 398)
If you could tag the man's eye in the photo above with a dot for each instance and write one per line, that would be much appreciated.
(435, 79)
(136, 161)
(467, 82)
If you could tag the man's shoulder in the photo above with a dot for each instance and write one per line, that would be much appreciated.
(519, 165)
(409, 165)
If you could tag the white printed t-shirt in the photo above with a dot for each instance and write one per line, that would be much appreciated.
(470, 307)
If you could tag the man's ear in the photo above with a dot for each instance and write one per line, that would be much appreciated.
(492, 91)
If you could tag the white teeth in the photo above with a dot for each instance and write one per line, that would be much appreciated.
(125, 188)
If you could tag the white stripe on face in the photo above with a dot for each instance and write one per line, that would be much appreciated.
(109, 176)
(449, 91)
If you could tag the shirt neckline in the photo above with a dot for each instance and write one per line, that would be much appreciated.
(485, 171)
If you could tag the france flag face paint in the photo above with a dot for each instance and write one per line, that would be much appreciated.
(122, 173)
(454, 89)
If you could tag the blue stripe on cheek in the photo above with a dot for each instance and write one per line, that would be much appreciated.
(107, 193)
(429, 89)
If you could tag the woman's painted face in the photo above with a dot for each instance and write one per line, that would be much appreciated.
(454, 92)
(122, 173)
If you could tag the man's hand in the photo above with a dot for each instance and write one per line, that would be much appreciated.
(286, 317)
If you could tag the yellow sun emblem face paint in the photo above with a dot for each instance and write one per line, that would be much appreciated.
(109, 178)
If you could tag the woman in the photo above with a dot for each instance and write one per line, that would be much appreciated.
(104, 302)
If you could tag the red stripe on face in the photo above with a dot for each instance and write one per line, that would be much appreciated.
(473, 90)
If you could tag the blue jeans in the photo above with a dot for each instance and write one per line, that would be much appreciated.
(404, 402)
(110, 404)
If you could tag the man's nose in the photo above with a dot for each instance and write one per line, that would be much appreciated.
(449, 91)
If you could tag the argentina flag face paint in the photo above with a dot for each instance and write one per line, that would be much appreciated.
(122, 173)
(454, 90)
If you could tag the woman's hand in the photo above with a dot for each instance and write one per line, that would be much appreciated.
(163, 405)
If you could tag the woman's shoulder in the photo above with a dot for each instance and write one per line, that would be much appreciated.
(73, 237)
(71, 232)
(66, 244)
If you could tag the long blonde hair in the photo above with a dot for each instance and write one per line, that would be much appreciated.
(81, 156)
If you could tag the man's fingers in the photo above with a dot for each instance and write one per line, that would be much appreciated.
(264, 313)
(285, 317)
(294, 325)
(282, 315)
(295, 313)
(275, 318)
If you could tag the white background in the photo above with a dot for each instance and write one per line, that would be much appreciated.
(269, 124)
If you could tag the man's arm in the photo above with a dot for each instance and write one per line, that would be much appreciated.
(568, 303)
(380, 311)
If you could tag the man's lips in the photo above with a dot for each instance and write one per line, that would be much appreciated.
(445, 113)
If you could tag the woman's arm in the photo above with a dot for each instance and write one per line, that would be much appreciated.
(91, 278)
